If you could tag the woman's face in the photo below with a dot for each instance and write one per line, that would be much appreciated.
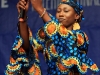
(66, 15)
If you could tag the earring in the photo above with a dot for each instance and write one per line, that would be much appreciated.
(76, 26)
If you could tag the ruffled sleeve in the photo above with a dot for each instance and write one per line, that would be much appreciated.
(83, 43)
(76, 50)
(22, 62)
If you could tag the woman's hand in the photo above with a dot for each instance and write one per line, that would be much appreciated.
(22, 4)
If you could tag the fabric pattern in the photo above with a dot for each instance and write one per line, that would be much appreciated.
(64, 51)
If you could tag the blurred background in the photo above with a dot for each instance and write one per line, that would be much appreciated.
(8, 28)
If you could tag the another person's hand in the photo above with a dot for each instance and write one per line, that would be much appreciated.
(22, 4)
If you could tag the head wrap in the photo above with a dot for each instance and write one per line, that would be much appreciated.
(76, 6)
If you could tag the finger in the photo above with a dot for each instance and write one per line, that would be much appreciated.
(22, 3)
(27, 3)
(18, 8)
(22, 0)
(22, 7)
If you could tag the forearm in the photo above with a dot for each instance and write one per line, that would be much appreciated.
(37, 5)
(45, 16)
(24, 33)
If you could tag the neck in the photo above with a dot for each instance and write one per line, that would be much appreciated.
(70, 27)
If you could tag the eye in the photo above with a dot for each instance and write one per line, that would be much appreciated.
(58, 10)
(65, 10)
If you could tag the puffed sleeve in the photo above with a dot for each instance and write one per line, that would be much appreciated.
(82, 43)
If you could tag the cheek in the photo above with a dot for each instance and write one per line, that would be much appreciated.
(69, 17)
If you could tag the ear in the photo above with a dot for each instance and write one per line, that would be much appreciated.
(77, 16)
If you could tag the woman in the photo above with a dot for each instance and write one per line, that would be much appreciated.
(62, 42)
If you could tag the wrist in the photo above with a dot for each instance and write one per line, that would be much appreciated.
(23, 19)
(43, 13)
(40, 10)
(22, 16)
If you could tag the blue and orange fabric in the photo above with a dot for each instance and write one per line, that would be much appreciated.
(63, 49)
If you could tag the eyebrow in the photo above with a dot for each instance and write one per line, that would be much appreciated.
(60, 8)
(65, 8)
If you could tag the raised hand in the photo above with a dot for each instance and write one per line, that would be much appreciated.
(22, 4)
(22, 25)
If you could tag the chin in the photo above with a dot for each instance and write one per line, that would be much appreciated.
(64, 24)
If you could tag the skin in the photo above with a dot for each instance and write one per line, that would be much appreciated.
(66, 15)
(23, 25)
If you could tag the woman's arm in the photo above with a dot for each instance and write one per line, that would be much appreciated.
(37, 5)
(23, 31)
(22, 25)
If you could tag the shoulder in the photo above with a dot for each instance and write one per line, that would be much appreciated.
(81, 37)
(81, 32)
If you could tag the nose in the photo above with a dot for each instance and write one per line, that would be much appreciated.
(61, 14)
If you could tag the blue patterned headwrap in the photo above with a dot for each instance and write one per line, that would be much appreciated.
(76, 6)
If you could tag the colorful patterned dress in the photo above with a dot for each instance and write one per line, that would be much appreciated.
(64, 51)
